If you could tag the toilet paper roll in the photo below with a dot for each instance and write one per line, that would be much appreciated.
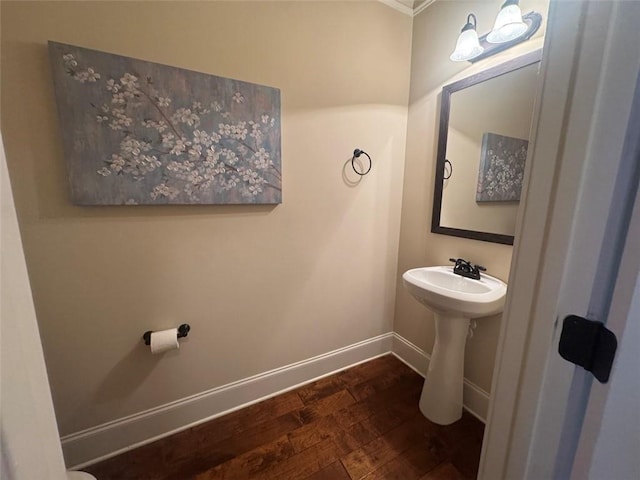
(164, 340)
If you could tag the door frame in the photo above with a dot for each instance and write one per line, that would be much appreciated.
(586, 88)
(30, 438)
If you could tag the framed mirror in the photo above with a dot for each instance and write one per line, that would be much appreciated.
(485, 122)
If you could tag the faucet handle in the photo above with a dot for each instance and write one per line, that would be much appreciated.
(460, 261)
(466, 269)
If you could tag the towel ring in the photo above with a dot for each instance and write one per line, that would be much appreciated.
(356, 154)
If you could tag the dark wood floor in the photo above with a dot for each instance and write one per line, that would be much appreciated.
(363, 422)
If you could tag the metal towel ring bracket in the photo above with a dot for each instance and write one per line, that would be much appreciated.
(356, 154)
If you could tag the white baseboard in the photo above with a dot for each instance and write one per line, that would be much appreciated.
(475, 399)
(115, 437)
(109, 439)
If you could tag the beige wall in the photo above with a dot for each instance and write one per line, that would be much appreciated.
(434, 35)
(261, 286)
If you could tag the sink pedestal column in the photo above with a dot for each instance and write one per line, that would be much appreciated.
(441, 399)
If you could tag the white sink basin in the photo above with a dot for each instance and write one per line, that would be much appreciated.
(442, 291)
(454, 300)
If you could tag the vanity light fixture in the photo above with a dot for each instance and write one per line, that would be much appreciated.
(508, 25)
(468, 45)
(510, 28)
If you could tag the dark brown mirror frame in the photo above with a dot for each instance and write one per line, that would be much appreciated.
(447, 90)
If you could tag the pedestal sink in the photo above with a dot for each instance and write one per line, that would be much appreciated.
(454, 300)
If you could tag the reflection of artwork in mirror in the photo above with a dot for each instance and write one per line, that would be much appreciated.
(501, 168)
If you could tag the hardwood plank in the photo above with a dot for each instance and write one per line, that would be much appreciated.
(382, 450)
(384, 381)
(184, 447)
(401, 397)
(412, 464)
(468, 426)
(325, 406)
(444, 471)
(357, 413)
(346, 441)
(387, 366)
(361, 432)
(236, 422)
(219, 440)
(206, 452)
(370, 369)
(363, 421)
(305, 463)
(465, 456)
(375, 426)
(313, 433)
(464, 443)
(321, 388)
(142, 463)
(391, 416)
(251, 464)
(335, 471)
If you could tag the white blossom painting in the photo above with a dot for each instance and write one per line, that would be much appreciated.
(501, 172)
(136, 132)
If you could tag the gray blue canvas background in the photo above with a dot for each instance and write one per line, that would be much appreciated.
(235, 169)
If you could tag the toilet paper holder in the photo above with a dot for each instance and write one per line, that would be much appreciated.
(183, 330)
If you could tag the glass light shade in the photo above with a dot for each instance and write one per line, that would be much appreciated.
(467, 47)
(508, 25)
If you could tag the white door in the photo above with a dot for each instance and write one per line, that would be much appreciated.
(609, 441)
(582, 180)
(29, 444)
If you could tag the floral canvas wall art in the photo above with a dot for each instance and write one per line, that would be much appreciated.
(137, 132)
(501, 172)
